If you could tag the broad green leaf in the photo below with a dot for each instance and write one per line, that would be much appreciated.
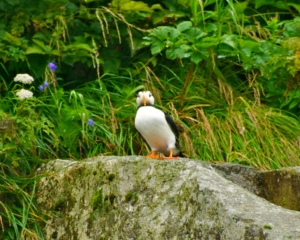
(249, 44)
(184, 26)
(230, 40)
(196, 57)
(206, 43)
(246, 51)
(259, 3)
(157, 46)
(174, 33)
(35, 50)
(210, 27)
(194, 34)
(82, 46)
(177, 53)
(161, 32)
(40, 36)
(170, 53)
(9, 147)
(128, 5)
(157, 7)
(42, 45)
(12, 39)
(185, 47)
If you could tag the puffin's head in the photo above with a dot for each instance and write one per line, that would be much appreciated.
(145, 98)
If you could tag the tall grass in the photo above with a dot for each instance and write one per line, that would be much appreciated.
(19, 218)
(219, 124)
(218, 103)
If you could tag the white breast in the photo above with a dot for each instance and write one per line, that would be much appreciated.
(152, 124)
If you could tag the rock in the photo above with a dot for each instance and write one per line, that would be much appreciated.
(244, 176)
(280, 187)
(136, 198)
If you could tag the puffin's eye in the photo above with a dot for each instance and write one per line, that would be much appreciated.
(150, 95)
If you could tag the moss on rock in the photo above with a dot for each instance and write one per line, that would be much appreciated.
(136, 198)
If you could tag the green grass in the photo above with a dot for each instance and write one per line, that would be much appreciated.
(236, 101)
(19, 218)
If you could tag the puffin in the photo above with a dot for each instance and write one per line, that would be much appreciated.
(157, 128)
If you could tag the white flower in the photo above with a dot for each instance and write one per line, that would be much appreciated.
(24, 78)
(23, 93)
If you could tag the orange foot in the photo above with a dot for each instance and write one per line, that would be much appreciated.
(152, 155)
(171, 155)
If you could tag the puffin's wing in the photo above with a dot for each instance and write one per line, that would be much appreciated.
(172, 125)
(174, 128)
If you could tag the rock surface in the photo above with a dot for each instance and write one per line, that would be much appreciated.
(280, 187)
(136, 198)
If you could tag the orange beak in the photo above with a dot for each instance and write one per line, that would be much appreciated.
(144, 100)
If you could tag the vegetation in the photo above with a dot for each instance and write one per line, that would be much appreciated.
(227, 71)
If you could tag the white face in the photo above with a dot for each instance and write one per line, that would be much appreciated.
(145, 98)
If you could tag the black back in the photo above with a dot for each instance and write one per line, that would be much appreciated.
(174, 128)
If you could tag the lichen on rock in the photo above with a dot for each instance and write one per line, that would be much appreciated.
(137, 198)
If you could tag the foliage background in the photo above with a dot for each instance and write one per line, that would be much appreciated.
(227, 71)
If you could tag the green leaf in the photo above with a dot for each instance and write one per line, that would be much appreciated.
(157, 46)
(194, 34)
(42, 45)
(12, 39)
(230, 40)
(246, 51)
(128, 5)
(177, 53)
(174, 33)
(259, 3)
(157, 7)
(206, 43)
(184, 26)
(170, 53)
(82, 46)
(210, 27)
(35, 50)
(161, 32)
(196, 57)
(40, 36)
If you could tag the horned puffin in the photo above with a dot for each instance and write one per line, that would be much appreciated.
(157, 128)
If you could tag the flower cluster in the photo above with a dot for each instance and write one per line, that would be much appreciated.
(23, 94)
(44, 86)
(24, 78)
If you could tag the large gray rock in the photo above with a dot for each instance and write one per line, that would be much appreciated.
(277, 186)
(136, 198)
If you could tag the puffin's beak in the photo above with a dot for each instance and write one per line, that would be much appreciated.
(144, 100)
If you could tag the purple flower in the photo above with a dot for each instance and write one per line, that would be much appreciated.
(52, 66)
(91, 122)
(41, 88)
(46, 84)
